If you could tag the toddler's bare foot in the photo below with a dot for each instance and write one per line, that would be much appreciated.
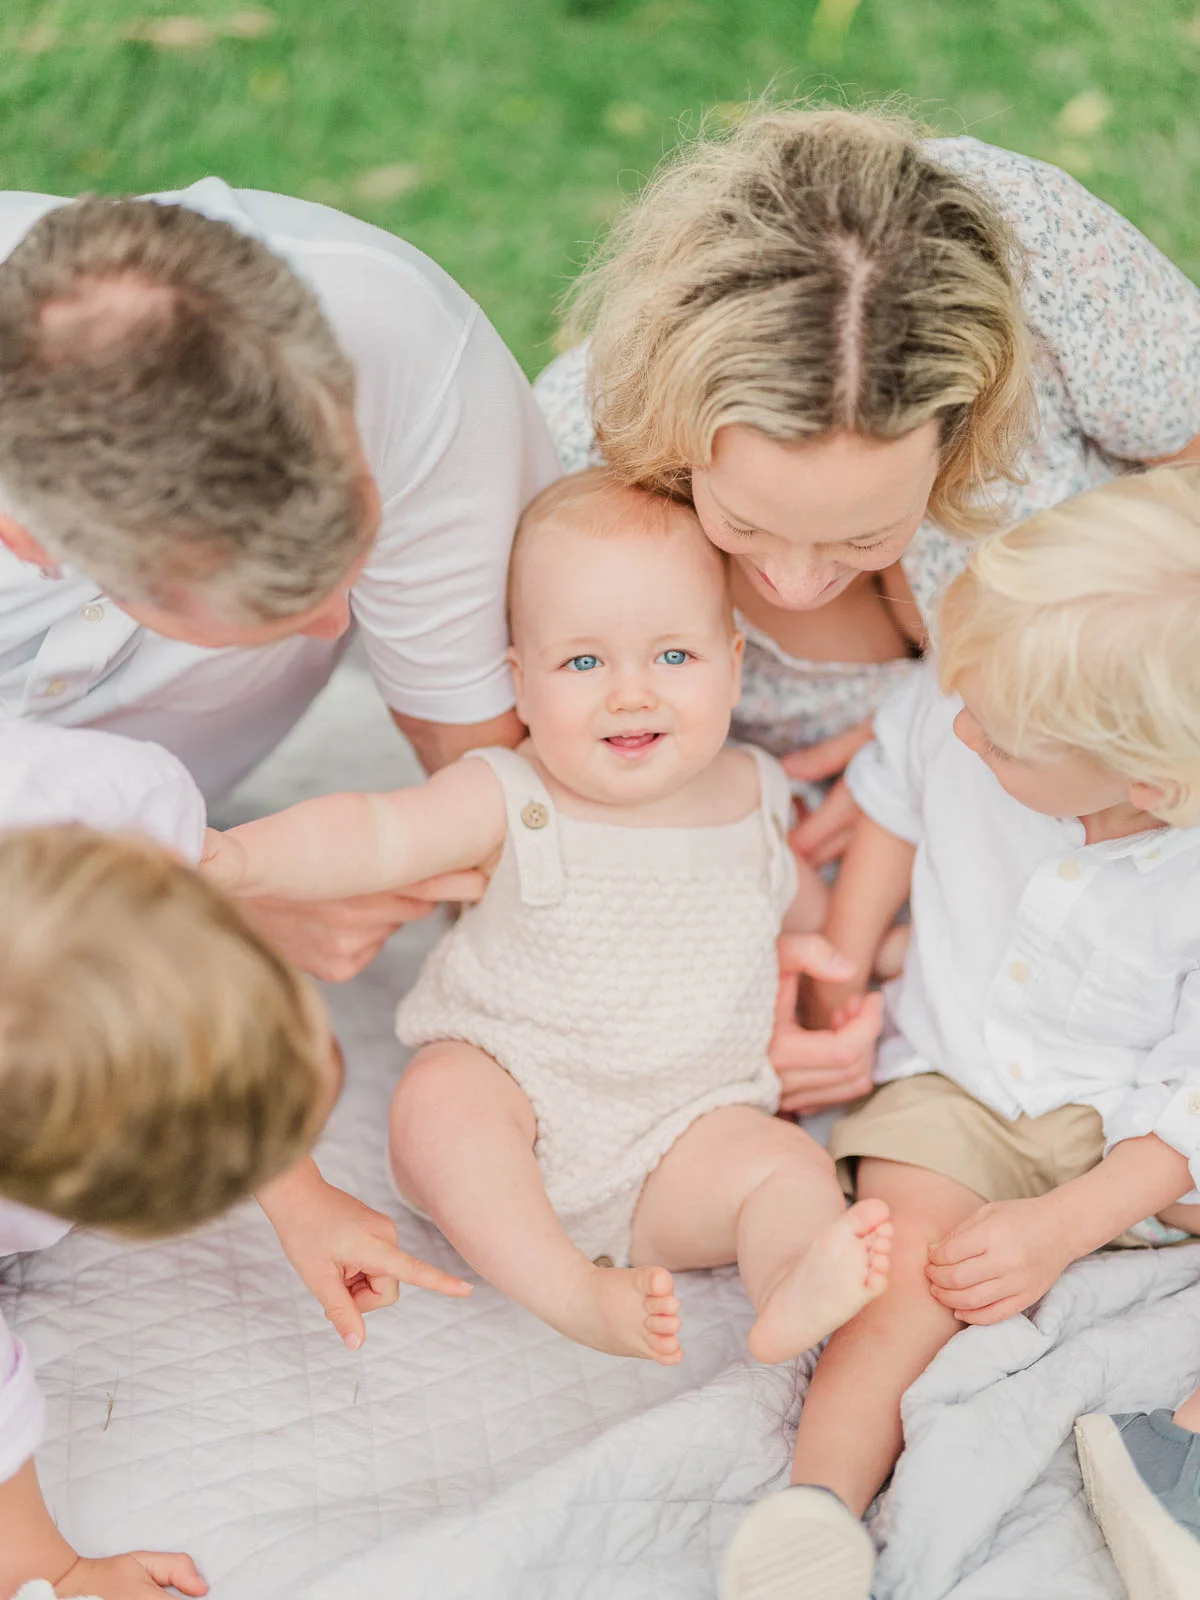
(625, 1311)
(843, 1269)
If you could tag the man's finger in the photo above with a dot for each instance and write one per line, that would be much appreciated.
(813, 954)
(387, 1261)
(172, 1569)
(828, 757)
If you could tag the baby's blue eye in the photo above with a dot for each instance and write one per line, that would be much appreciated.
(673, 658)
(583, 663)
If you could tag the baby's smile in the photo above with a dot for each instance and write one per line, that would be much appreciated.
(634, 744)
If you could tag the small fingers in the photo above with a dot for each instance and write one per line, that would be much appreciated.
(387, 1261)
(812, 953)
(172, 1569)
(972, 1299)
(990, 1315)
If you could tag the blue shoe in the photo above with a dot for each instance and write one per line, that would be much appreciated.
(1142, 1477)
(802, 1544)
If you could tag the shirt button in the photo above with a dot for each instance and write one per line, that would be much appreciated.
(92, 613)
(1153, 855)
(535, 815)
(1019, 972)
(1194, 1104)
(54, 688)
(1068, 871)
(1016, 1071)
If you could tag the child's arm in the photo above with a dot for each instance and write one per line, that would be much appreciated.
(32, 1547)
(345, 1253)
(355, 844)
(871, 887)
(1006, 1256)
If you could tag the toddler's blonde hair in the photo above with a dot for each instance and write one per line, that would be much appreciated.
(806, 272)
(1083, 624)
(157, 1060)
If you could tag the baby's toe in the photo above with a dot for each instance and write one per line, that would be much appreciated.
(663, 1324)
(867, 1216)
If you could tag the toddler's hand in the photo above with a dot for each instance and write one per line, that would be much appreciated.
(346, 1254)
(141, 1575)
(999, 1261)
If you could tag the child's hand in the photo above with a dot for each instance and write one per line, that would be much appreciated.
(141, 1575)
(999, 1261)
(346, 1254)
(826, 1066)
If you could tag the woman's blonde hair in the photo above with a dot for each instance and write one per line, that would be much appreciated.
(807, 272)
(1083, 626)
(157, 1060)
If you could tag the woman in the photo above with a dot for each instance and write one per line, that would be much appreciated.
(856, 350)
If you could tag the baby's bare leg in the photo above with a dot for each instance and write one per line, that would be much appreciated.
(747, 1187)
(462, 1142)
(850, 1434)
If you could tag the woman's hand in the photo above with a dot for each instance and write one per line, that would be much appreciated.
(345, 1253)
(336, 939)
(141, 1575)
(826, 1066)
(822, 835)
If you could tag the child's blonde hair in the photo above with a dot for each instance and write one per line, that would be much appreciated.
(597, 500)
(806, 272)
(157, 1060)
(1083, 625)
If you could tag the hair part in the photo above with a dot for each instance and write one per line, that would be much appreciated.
(158, 1061)
(807, 272)
(1082, 623)
(175, 412)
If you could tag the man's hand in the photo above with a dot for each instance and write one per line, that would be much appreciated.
(336, 939)
(822, 835)
(141, 1575)
(345, 1253)
(828, 1066)
(999, 1261)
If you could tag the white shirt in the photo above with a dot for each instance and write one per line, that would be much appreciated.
(1042, 971)
(458, 448)
(50, 775)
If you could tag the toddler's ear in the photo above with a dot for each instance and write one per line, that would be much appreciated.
(1155, 797)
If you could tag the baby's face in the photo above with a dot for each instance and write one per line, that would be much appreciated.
(626, 663)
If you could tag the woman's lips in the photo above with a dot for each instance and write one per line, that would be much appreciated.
(632, 744)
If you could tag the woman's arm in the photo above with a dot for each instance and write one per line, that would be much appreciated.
(871, 887)
(358, 844)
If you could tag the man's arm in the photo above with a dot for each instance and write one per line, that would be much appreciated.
(439, 743)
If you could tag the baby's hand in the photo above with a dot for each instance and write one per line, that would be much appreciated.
(346, 1254)
(143, 1575)
(999, 1261)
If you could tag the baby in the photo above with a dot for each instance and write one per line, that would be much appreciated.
(158, 1063)
(591, 1103)
(1040, 1073)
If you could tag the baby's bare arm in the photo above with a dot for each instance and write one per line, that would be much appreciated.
(355, 844)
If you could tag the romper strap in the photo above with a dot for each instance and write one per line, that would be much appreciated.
(532, 825)
(776, 810)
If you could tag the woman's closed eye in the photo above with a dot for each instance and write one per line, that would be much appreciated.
(584, 663)
(674, 658)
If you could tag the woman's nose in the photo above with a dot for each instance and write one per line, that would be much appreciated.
(799, 583)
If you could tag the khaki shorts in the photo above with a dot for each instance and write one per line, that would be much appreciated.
(929, 1122)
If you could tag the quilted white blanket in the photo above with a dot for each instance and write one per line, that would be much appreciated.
(198, 1400)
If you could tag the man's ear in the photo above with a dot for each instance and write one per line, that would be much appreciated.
(1155, 797)
(23, 545)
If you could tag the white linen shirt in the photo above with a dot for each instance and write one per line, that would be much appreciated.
(1042, 971)
(457, 446)
(51, 775)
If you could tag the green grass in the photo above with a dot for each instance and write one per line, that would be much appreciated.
(499, 134)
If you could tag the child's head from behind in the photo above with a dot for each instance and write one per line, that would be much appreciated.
(625, 657)
(1072, 640)
(157, 1061)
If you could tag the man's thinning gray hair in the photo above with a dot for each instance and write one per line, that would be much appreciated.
(175, 411)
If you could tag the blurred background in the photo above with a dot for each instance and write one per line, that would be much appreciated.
(498, 135)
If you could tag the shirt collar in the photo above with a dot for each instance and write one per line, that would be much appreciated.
(1148, 850)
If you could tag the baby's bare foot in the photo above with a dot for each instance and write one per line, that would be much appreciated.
(625, 1311)
(843, 1269)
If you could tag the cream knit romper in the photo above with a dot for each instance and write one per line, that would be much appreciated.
(625, 977)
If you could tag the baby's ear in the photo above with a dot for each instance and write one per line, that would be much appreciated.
(518, 678)
(738, 648)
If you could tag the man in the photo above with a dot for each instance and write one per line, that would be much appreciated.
(232, 424)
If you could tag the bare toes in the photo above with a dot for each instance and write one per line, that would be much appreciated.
(867, 1216)
(663, 1324)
